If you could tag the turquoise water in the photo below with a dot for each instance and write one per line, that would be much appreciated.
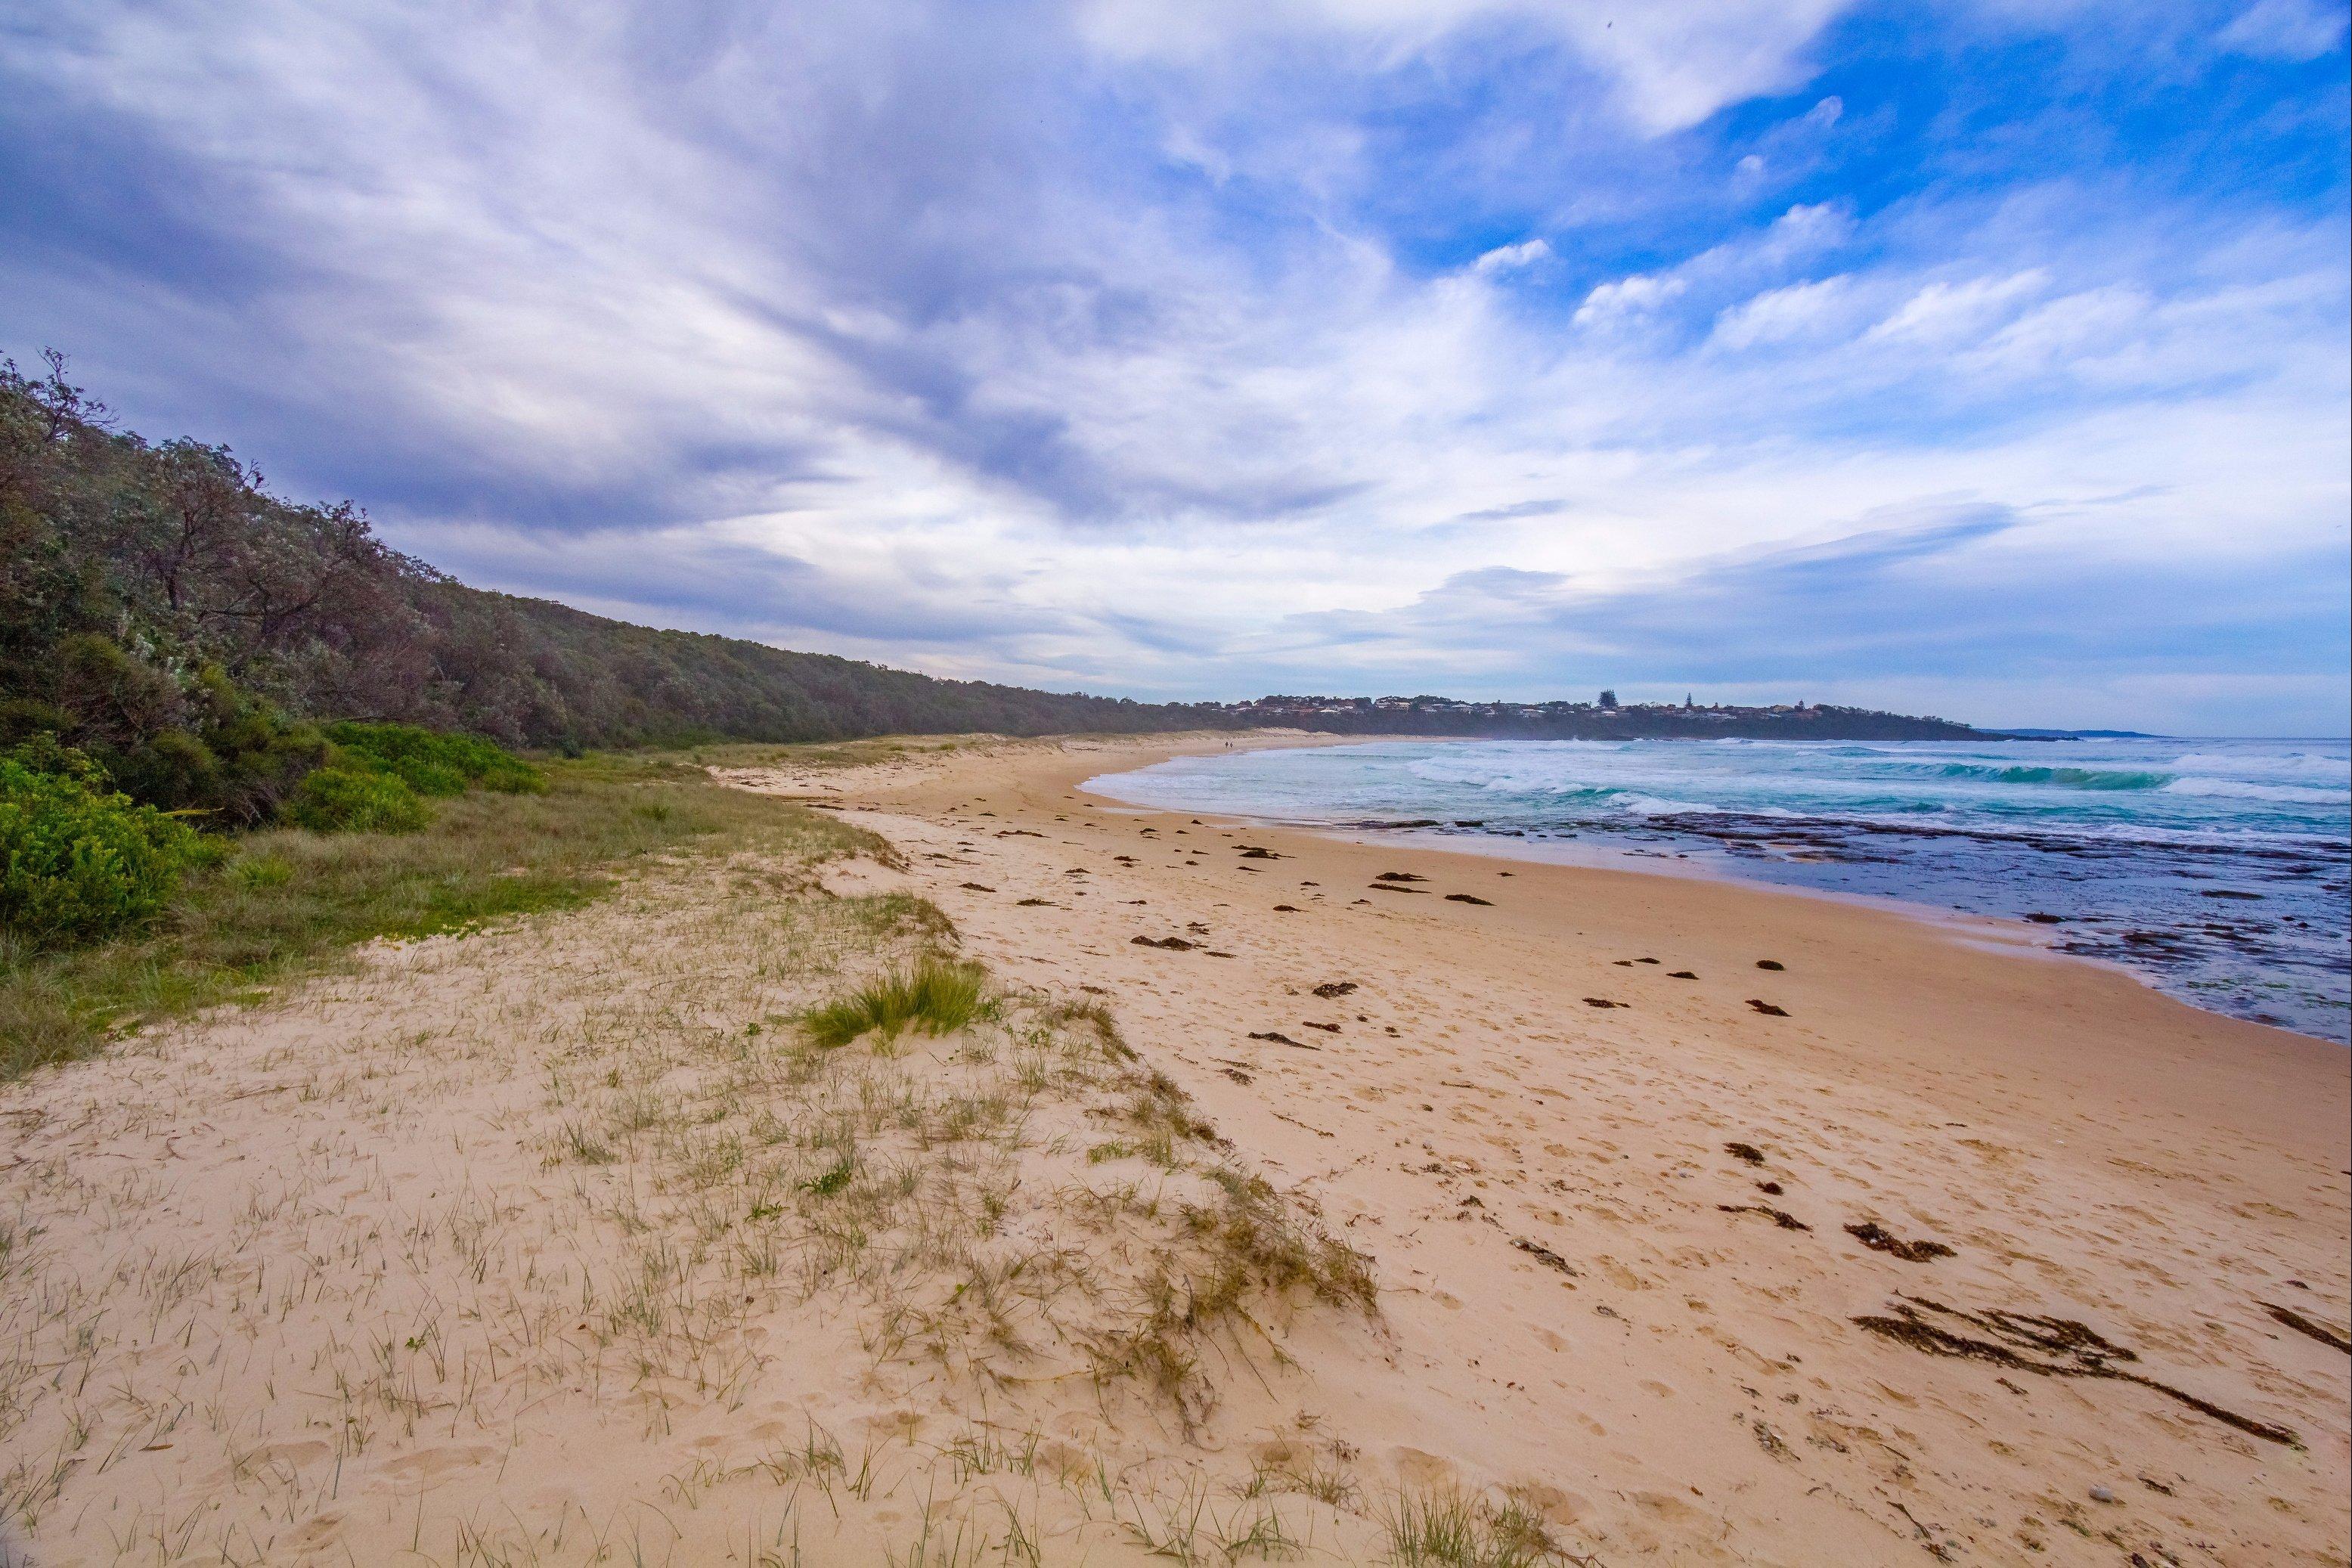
(2217, 869)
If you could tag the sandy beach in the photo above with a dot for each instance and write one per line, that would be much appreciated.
(1706, 1224)
(1690, 1372)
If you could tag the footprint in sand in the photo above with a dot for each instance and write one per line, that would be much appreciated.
(430, 1464)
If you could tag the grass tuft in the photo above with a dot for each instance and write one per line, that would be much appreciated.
(1448, 1528)
(936, 997)
(1254, 1237)
(832, 1180)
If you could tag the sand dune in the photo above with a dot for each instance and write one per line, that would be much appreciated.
(550, 1245)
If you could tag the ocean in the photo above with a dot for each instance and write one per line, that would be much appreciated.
(2217, 870)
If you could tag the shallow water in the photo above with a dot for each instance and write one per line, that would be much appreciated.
(2217, 869)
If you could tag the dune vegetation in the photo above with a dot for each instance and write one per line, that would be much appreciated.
(743, 1213)
(242, 913)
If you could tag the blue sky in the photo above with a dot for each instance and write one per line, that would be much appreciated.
(1985, 358)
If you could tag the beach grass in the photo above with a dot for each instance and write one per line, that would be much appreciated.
(765, 1117)
(1447, 1527)
(936, 997)
(284, 902)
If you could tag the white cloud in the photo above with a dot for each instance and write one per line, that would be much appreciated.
(1609, 302)
(1512, 258)
(1783, 315)
(1671, 65)
(1945, 312)
(2286, 29)
(1807, 229)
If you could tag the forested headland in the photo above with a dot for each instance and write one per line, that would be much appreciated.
(164, 614)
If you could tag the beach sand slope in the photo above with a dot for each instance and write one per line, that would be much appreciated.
(1915, 1240)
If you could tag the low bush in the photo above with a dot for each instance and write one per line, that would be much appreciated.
(221, 753)
(43, 753)
(432, 762)
(345, 800)
(79, 862)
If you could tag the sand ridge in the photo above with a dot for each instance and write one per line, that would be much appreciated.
(558, 1245)
(1607, 1163)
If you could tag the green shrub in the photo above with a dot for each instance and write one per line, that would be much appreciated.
(431, 762)
(43, 753)
(78, 863)
(344, 800)
(235, 761)
(26, 718)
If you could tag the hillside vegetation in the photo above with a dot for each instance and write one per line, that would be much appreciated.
(155, 599)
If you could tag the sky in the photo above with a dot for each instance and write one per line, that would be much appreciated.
(1985, 358)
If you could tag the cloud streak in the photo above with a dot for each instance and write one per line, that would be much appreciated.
(1194, 350)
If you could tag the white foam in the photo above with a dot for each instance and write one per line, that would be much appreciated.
(2248, 789)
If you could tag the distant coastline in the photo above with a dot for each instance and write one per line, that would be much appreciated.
(1604, 719)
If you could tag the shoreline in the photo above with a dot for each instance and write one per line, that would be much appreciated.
(1557, 1072)
(1999, 930)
